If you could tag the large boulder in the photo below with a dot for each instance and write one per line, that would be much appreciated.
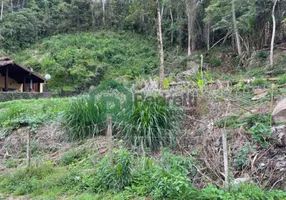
(279, 112)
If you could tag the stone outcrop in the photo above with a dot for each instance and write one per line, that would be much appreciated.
(279, 112)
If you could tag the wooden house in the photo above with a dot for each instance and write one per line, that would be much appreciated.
(14, 77)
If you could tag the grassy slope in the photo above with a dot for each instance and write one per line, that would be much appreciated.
(14, 114)
(71, 59)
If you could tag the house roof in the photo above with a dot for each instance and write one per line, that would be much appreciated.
(17, 72)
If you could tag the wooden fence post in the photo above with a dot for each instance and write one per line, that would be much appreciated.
(28, 148)
(109, 137)
(225, 157)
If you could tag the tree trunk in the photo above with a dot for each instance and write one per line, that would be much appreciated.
(2, 7)
(160, 46)
(191, 13)
(208, 36)
(103, 12)
(235, 29)
(92, 7)
(172, 24)
(273, 34)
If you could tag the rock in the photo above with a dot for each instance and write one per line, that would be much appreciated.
(278, 136)
(242, 180)
(279, 112)
(193, 69)
(259, 96)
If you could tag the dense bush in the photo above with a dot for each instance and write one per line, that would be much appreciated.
(113, 174)
(152, 123)
(83, 118)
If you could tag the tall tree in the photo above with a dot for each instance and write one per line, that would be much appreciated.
(235, 16)
(191, 14)
(235, 29)
(2, 8)
(160, 46)
(273, 33)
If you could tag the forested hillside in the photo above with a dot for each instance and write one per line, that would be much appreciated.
(202, 23)
(181, 27)
(77, 61)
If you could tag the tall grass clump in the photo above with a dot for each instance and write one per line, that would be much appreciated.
(152, 123)
(83, 118)
(112, 174)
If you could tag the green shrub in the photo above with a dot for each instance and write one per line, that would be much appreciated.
(12, 163)
(169, 178)
(258, 72)
(262, 55)
(259, 82)
(83, 118)
(282, 79)
(240, 192)
(215, 61)
(73, 156)
(250, 121)
(260, 133)
(152, 123)
(240, 160)
(115, 175)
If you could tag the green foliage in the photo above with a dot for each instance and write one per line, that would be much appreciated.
(250, 121)
(126, 177)
(201, 79)
(166, 179)
(15, 114)
(215, 61)
(240, 192)
(72, 156)
(227, 122)
(259, 82)
(282, 79)
(166, 83)
(256, 72)
(115, 175)
(83, 118)
(262, 55)
(20, 30)
(82, 60)
(219, 13)
(246, 121)
(24, 181)
(260, 133)
(170, 179)
(240, 160)
(151, 123)
(12, 163)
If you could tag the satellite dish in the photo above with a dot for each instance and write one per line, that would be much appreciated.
(48, 77)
